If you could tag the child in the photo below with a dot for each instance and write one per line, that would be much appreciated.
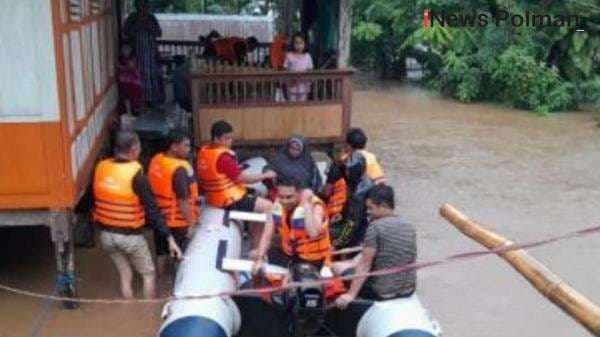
(131, 87)
(356, 142)
(360, 171)
(298, 60)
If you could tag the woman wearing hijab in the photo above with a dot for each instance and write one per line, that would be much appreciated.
(141, 28)
(294, 160)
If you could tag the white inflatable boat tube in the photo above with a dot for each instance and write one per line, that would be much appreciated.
(402, 317)
(200, 274)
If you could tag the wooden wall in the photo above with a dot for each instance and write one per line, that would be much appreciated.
(28, 83)
(88, 36)
(60, 60)
(32, 166)
(253, 101)
(31, 153)
(272, 124)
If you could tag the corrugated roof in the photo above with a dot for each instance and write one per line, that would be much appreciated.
(190, 26)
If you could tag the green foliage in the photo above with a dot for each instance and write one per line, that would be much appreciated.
(216, 9)
(540, 69)
(528, 84)
(588, 92)
(379, 28)
(367, 31)
(461, 76)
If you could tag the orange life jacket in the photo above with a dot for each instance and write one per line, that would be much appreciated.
(295, 240)
(337, 200)
(160, 175)
(219, 190)
(225, 47)
(334, 288)
(115, 202)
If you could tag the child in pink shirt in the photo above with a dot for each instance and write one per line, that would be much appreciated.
(298, 60)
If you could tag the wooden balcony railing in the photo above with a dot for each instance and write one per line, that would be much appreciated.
(265, 107)
(255, 87)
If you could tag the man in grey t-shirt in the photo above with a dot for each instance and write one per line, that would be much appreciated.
(389, 242)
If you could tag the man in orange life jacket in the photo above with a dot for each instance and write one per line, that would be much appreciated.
(302, 223)
(174, 184)
(123, 200)
(224, 183)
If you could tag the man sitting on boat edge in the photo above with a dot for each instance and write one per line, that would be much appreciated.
(389, 242)
(223, 182)
(301, 220)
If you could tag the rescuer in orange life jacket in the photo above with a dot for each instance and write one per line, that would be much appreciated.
(123, 200)
(175, 187)
(222, 181)
(301, 221)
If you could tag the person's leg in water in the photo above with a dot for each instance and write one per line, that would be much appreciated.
(125, 274)
(161, 248)
(140, 257)
(181, 237)
(162, 262)
(149, 285)
(111, 243)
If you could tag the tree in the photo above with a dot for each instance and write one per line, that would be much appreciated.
(540, 69)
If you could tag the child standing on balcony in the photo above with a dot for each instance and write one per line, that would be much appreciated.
(298, 60)
(131, 88)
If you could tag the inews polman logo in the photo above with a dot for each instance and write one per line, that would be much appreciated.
(502, 17)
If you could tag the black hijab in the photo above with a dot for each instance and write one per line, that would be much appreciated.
(302, 168)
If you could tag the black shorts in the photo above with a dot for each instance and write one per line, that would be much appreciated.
(161, 244)
(245, 204)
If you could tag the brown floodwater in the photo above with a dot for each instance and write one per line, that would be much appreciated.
(524, 176)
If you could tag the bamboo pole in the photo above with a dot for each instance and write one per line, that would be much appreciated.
(547, 283)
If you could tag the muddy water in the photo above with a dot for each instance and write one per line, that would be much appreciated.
(524, 176)
(27, 261)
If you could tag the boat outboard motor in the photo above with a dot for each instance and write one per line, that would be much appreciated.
(307, 303)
